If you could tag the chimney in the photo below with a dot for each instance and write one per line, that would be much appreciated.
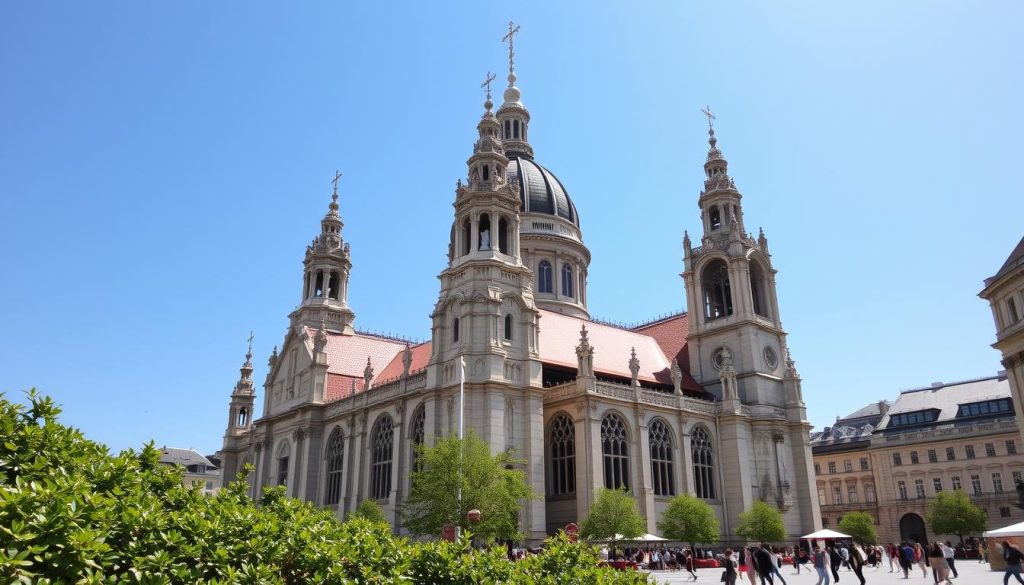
(883, 407)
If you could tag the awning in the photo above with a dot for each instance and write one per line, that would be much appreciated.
(1011, 530)
(825, 534)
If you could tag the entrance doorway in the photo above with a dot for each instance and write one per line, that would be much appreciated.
(912, 529)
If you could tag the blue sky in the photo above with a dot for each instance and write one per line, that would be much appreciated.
(163, 165)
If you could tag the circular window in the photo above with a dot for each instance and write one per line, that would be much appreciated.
(718, 357)
(770, 359)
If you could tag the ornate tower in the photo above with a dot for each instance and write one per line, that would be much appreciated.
(240, 419)
(738, 352)
(325, 279)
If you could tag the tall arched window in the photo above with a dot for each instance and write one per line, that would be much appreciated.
(380, 465)
(335, 461)
(243, 417)
(715, 217)
(662, 474)
(757, 289)
(544, 284)
(563, 456)
(717, 293)
(419, 420)
(282, 464)
(567, 280)
(703, 463)
(503, 235)
(318, 290)
(508, 327)
(614, 448)
(455, 330)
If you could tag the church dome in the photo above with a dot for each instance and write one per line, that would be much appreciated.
(540, 190)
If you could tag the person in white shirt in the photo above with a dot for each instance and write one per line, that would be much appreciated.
(947, 551)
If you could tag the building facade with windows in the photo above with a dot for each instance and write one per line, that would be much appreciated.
(707, 402)
(960, 436)
(197, 469)
(1005, 293)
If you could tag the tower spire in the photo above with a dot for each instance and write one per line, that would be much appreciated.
(510, 38)
(513, 115)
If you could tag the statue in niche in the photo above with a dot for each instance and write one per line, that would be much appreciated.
(485, 240)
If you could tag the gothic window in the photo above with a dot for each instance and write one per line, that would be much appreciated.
(243, 417)
(703, 463)
(467, 236)
(661, 459)
(563, 456)
(757, 289)
(508, 327)
(455, 330)
(544, 277)
(716, 217)
(335, 459)
(380, 465)
(567, 280)
(419, 419)
(614, 448)
(717, 293)
(318, 290)
(334, 285)
(503, 235)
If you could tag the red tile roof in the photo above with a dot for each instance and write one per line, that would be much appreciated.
(560, 334)
(346, 354)
(670, 333)
(339, 386)
(420, 357)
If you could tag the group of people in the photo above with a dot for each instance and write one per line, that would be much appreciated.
(761, 562)
(661, 558)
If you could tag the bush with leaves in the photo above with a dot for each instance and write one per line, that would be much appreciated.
(370, 510)
(70, 512)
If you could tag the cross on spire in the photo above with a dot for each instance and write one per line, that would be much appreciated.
(513, 28)
(334, 181)
(487, 84)
(706, 110)
(251, 337)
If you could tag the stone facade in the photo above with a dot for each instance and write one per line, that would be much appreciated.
(931, 439)
(1005, 293)
(707, 403)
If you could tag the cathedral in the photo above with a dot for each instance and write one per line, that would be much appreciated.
(706, 402)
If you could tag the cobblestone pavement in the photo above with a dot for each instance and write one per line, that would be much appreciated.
(971, 573)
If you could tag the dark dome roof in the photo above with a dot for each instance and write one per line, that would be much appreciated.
(541, 191)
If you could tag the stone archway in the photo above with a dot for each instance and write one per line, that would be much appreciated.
(912, 529)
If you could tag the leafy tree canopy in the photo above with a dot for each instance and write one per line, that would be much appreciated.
(370, 510)
(954, 513)
(489, 483)
(613, 512)
(689, 519)
(860, 526)
(762, 523)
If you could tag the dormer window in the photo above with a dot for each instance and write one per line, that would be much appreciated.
(908, 419)
(1002, 406)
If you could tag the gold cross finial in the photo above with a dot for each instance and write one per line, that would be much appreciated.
(711, 116)
(487, 84)
(334, 181)
(513, 28)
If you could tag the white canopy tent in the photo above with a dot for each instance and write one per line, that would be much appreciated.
(1011, 530)
(825, 534)
(641, 538)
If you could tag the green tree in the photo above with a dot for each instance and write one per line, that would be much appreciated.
(370, 510)
(689, 519)
(489, 483)
(613, 514)
(954, 513)
(761, 523)
(860, 526)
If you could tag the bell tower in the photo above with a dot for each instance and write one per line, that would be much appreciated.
(325, 278)
(730, 291)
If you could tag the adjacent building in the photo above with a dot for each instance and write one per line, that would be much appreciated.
(1005, 293)
(707, 402)
(890, 460)
(198, 469)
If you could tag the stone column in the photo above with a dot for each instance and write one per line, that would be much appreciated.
(296, 477)
(584, 463)
(684, 477)
(355, 467)
(533, 511)
(397, 459)
(258, 465)
(643, 486)
(314, 464)
(347, 469)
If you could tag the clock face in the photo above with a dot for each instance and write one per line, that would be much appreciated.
(716, 359)
(770, 359)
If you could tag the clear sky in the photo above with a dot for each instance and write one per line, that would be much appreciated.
(163, 166)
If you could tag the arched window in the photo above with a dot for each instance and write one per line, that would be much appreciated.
(567, 280)
(419, 421)
(757, 289)
(243, 417)
(544, 277)
(717, 293)
(563, 456)
(318, 290)
(703, 463)
(508, 327)
(508, 130)
(335, 461)
(455, 330)
(503, 235)
(484, 229)
(614, 448)
(515, 128)
(715, 216)
(467, 236)
(661, 459)
(334, 285)
(282, 464)
(380, 463)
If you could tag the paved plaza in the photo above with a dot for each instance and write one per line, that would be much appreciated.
(971, 573)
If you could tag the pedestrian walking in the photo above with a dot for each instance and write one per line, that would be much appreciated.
(820, 560)
(691, 565)
(776, 563)
(729, 575)
(834, 561)
(906, 559)
(949, 554)
(764, 563)
(937, 561)
(1013, 557)
(857, 559)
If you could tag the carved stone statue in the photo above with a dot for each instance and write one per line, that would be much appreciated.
(726, 356)
(485, 240)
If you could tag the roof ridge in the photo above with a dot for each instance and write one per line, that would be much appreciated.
(956, 383)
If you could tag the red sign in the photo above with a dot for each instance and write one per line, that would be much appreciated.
(572, 531)
(448, 532)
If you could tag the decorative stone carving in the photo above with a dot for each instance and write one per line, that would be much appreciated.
(634, 368)
(367, 375)
(320, 340)
(677, 377)
(272, 360)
